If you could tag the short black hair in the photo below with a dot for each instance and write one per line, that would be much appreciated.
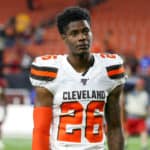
(71, 14)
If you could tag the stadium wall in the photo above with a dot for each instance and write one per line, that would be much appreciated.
(18, 122)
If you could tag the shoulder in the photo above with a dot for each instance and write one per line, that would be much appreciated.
(109, 59)
(113, 64)
(45, 67)
(46, 60)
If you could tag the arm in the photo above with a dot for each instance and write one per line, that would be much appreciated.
(42, 117)
(122, 109)
(113, 118)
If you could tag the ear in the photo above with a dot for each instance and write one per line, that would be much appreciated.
(63, 36)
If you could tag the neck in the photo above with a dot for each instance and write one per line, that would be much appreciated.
(80, 62)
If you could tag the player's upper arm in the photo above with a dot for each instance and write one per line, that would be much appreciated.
(112, 109)
(43, 97)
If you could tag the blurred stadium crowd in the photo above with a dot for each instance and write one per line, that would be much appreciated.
(28, 29)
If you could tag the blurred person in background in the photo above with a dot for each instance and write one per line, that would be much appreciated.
(10, 33)
(34, 4)
(3, 110)
(136, 107)
(144, 71)
(24, 28)
(2, 36)
(110, 42)
(2, 45)
(39, 33)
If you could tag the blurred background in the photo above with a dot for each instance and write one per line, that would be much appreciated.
(28, 29)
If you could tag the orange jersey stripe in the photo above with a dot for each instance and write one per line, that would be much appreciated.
(43, 73)
(116, 71)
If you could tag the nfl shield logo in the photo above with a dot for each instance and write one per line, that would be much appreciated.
(84, 81)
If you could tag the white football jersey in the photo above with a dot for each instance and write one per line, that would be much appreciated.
(79, 99)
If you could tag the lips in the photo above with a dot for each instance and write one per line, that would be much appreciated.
(83, 46)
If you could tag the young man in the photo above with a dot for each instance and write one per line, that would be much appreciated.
(73, 91)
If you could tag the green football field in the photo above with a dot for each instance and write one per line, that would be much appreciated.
(25, 144)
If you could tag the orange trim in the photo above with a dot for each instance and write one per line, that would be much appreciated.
(43, 73)
(116, 71)
(105, 55)
(42, 118)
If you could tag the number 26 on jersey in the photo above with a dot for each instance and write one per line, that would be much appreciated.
(72, 122)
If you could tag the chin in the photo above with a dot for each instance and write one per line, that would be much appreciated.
(83, 52)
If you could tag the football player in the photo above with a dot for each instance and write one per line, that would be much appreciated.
(75, 91)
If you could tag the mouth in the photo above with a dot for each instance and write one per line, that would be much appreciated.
(83, 46)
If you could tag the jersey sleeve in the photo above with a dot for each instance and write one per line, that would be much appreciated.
(116, 71)
(43, 72)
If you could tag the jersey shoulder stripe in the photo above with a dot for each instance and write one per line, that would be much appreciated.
(43, 73)
(115, 71)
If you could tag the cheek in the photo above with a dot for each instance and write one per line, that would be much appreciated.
(72, 41)
(70, 44)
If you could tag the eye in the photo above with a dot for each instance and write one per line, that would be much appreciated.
(74, 33)
(85, 31)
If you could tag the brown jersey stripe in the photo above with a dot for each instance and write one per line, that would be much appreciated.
(118, 76)
(43, 73)
(114, 67)
(116, 71)
(52, 69)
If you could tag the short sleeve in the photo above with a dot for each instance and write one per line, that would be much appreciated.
(116, 72)
(42, 72)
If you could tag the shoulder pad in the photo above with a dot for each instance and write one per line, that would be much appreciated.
(44, 68)
(114, 65)
(45, 60)
(110, 59)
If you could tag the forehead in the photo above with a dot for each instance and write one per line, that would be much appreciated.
(77, 25)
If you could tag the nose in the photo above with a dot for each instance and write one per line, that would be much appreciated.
(81, 37)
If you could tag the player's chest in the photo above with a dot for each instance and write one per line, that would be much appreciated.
(80, 88)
